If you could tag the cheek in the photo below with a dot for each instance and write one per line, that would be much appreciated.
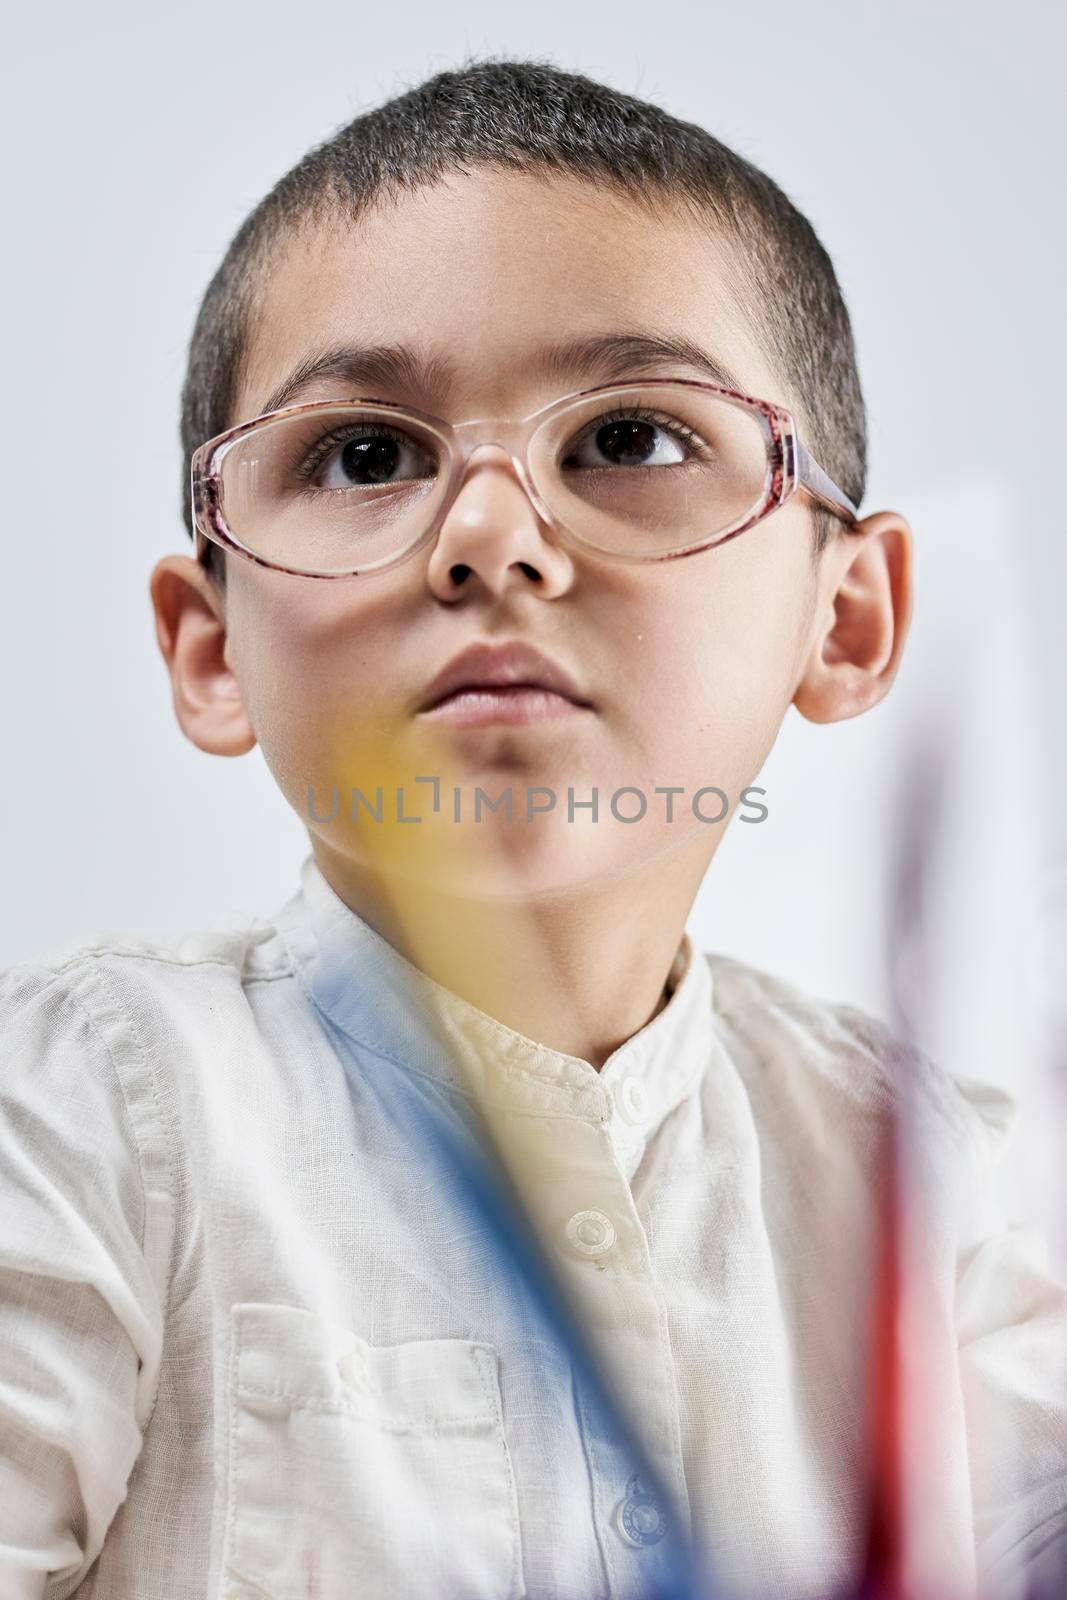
(709, 667)
(317, 671)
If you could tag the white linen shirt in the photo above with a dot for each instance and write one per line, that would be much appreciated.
(247, 1350)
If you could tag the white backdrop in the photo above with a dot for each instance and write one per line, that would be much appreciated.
(918, 140)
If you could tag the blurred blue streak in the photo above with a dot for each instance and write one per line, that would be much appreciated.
(465, 1156)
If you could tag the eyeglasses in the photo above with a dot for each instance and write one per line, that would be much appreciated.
(642, 471)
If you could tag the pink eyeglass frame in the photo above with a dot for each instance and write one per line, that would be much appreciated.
(790, 469)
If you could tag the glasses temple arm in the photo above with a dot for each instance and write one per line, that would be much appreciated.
(822, 486)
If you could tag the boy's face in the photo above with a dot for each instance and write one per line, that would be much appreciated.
(688, 665)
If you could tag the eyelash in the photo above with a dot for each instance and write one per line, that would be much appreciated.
(677, 430)
(323, 448)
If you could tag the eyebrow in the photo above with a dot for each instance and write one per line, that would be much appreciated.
(600, 358)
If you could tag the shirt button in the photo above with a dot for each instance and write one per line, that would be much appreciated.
(633, 1100)
(640, 1520)
(352, 1370)
(591, 1232)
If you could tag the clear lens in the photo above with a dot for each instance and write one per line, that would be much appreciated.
(639, 471)
(644, 471)
(335, 490)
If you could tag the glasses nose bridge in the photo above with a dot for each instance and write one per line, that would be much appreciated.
(508, 435)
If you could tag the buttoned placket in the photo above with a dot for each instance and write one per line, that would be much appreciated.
(571, 1140)
(566, 1166)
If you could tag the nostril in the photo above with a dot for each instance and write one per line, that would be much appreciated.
(459, 572)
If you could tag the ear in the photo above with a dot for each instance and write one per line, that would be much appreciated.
(191, 629)
(862, 615)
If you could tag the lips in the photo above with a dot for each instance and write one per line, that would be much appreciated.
(505, 666)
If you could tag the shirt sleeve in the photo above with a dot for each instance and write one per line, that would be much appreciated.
(1011, 1318)
(84, 1220)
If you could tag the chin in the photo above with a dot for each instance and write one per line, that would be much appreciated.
(497, 860)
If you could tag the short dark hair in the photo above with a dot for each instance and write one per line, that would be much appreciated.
(531, 116)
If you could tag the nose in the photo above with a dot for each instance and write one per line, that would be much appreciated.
(492, 536)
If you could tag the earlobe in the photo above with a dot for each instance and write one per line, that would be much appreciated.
(861, 620)
(191, 630)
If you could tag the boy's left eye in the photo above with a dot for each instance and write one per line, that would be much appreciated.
(626, 442)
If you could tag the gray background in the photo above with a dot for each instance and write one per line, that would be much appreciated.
(924, 142)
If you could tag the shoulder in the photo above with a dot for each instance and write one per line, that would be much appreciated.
(805, 1048)
(248, 946)
(94, 1028)
(111, 975)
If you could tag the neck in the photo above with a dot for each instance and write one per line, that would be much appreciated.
(579, 971)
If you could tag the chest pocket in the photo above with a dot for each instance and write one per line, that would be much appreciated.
(359, 1469)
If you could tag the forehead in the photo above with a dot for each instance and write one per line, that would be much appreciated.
(486, 278)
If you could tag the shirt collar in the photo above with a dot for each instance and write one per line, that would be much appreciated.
(383, 1002)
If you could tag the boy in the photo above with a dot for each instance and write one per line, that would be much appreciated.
(514, 504)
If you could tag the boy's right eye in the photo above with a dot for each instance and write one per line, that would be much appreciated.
(364, 456)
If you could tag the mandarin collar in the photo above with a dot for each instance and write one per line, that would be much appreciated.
(383, 1002)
